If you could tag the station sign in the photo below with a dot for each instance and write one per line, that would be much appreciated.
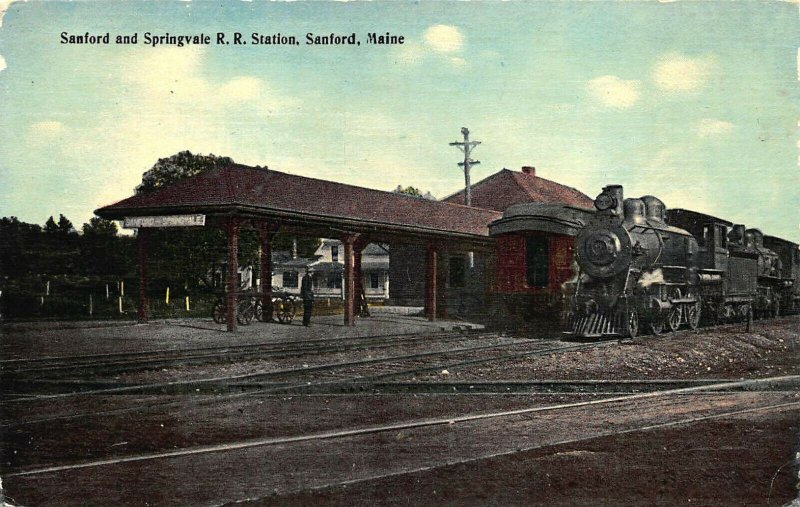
(164, 221)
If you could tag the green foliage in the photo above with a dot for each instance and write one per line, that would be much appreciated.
(30, 250)
(100, 227)
(177, 167)
(65, 226)
(414, 192)
(50, 225)
(306, 246)
(408, 191)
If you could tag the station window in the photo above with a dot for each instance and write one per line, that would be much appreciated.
(537, 261)
(334, 253)
(458, 271)
(374, 281)
(334, 281)
(290, 279)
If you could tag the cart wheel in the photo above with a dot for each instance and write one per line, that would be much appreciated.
(218, 312)
(285, 310)
(245, 313)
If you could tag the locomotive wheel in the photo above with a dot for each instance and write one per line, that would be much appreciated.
(632, 324)
(674, 318)
(745, 313)
(657, 325)
(693, 316)
(218, 312)
(730, 313)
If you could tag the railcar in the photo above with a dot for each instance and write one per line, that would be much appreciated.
(535, 260)
(788, 265)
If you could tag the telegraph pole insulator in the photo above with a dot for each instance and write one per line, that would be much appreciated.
(466, 146)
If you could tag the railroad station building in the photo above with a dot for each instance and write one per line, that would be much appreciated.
(441, 252)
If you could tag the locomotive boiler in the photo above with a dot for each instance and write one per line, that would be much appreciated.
(636, 270)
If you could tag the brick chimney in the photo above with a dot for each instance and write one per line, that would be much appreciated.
(527, 169)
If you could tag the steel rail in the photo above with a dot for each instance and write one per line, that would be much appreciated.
(438, 422)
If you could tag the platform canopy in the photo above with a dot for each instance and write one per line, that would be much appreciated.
(239, 196)
(310, 205)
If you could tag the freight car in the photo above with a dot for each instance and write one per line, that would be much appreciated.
(643, 267)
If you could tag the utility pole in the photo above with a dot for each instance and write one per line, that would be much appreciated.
(466, 146)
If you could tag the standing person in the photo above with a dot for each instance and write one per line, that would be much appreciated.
(307, 293)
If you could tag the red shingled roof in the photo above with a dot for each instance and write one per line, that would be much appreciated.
(506, 187)
(274, 191)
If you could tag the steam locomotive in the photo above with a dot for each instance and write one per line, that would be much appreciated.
(642, 267)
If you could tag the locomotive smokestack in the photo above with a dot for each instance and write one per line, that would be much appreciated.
(615, 191)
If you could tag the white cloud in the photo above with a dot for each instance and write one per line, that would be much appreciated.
(242, 88)
(613, 91)
(710, 127)
(4, 5)
(458, 62)
(49, 128)
(171, 78)
(410, 54)
(2, 63)
(679, 73)
(444, 38)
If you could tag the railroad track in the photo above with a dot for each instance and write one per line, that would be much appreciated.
(122, 362)
(286, 379)
(226, 388)
(463, 420)
(559, 387)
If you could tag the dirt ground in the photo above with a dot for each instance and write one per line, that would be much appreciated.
(682, 466)
(727, 352)
(742, 459)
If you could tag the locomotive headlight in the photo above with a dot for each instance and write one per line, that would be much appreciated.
(604, 202)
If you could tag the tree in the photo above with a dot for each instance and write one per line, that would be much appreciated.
(408, 191)
(50, 225)
(177, 167)
(414, 192)
(65, 226)
(100, 227)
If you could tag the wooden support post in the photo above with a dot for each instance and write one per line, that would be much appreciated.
(430, 282)
(266, 232)
(142, 238)
(358, 246)
(349, 279)
(232, 230)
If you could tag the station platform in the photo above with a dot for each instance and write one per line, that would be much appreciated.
(25, 340)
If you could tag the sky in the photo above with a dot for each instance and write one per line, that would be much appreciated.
(694, 102)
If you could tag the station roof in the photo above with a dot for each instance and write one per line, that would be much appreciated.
(288, 198)
(507, 188)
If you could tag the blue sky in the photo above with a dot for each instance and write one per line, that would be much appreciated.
(695, 102)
